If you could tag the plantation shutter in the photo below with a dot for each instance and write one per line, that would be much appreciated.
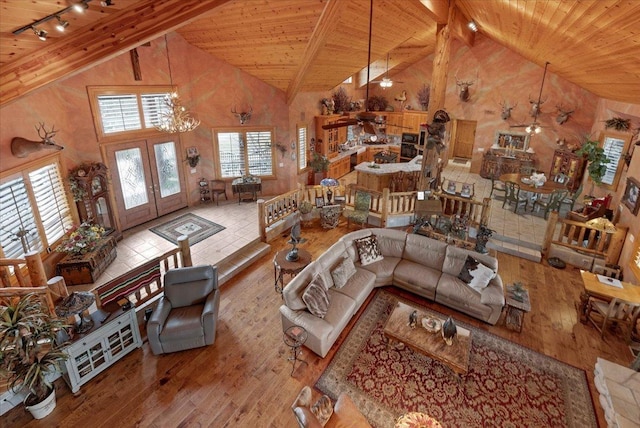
(119, 113)
(51, 201)
(613, 148)
(17, 223)
(231, 153)
(302, 147)
(153, 107)
(259, 153)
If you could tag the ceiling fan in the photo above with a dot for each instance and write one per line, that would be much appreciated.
(386, 81)
(535, 127)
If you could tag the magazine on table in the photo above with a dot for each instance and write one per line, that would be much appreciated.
(609, 281)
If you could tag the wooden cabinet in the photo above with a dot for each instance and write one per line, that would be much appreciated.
(372, 151)
(495, 163)
(411, 120)
(108, 341)
(396, 151)
(362, 157)
(569, 164)
(339, 168)
(327, 140)
(394, 123)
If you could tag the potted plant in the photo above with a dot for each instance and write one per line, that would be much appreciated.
(29, 352)
(305, 209)
(597, 160)
(320, 165)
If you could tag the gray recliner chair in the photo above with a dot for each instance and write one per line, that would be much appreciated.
(187, 314)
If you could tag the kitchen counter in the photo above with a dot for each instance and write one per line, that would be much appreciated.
(379, 177)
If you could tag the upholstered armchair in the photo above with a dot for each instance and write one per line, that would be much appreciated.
(186, 316)
(360, 213)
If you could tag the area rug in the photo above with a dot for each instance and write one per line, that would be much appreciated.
(191, 225)
(460, 160)
(507, 385)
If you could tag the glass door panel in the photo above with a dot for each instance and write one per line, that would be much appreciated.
(167, 168)
(131, 172)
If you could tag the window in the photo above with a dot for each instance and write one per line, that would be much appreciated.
(244, 152)
(634, 264)
(126, 111)
(34, 212)
(348, 80)
(303, 147)
(615, 145)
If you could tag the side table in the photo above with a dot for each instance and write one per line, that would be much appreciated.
(281, 266)
(294, 337)
(514, 316)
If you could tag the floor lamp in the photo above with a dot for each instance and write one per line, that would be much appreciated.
(601, 224)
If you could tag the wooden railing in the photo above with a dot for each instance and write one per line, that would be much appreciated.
(476, 211)
(580, 237)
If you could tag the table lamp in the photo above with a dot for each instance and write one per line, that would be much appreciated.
(329, 183)
(602, 224)
(77, 303)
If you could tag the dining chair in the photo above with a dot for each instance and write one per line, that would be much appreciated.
(553, 203)
(512, 194)
(527, 170)
(621, 312)
(498, 186)
(360, 213)
(571, 198)
(218, 187)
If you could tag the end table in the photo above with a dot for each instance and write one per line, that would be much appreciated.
(516, 309)
(282, 265)
(294, 337)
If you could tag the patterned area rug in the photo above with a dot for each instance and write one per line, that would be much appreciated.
(195, 227)
(507, 385)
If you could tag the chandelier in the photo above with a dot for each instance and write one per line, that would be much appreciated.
(174, 117)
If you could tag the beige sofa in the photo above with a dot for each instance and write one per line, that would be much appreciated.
(422, 265)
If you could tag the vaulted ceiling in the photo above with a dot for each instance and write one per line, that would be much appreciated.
(313, 45)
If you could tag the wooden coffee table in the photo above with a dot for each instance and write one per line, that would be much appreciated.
(456, 356)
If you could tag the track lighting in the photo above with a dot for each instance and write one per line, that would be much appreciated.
(106, 3)
(42, 35)
(62, 24)
(80, 7)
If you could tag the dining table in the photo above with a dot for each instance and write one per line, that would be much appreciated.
(605, 288)
(548, 187)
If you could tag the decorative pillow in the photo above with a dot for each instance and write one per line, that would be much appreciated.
(475, 274)
(343, 272)
(316, 297)
(323, 409)
(368, 250)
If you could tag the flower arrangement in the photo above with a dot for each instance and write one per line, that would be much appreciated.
(82, 239)
(305, 207)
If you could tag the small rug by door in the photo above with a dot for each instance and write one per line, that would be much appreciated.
(460, 160)
(507, 385)
(191, 225)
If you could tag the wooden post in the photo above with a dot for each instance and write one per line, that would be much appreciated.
(548, 235)
(385, 207)
(185, 250)
(261, 221)
(35, 268)
(615, 245)
(58, 288)
(486, 209)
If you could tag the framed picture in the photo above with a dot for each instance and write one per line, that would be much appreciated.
(630, 198)
(340, 199)
(319, 202)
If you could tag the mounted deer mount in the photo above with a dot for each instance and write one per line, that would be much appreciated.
(505, 114)
(21, 147)
(563, 115)
(535, 106)
(464, 88)
(243, 116)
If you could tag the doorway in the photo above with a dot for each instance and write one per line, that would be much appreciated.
(147, 180)
(463, 135)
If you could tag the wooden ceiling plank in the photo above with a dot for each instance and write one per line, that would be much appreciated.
(437, 9)
(327, 24)
(103, 42)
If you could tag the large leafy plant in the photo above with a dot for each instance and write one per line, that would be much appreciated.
(596, 159)
(28, 349)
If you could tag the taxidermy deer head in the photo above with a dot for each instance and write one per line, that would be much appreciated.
(563, 115)
(243, 116)
(506, 110)
(535, 106)
(21, 147)
(464, 88)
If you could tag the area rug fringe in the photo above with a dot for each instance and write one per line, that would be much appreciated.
(385, 383)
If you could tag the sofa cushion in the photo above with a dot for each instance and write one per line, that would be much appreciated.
(316, 298)
(425, 251)
(391, 242)
(416, 276)
(368, 250)
(343, 272)
(383, 269)
(493, 294)
(359, 286)
(328, 260)
(306, 418)
(476, 274)
(349, 242)
(456, 257)
(346, 414)
(322, 409)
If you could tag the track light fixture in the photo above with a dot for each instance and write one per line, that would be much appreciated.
(42, 35)
(472, 26)
(62, 24)
(106, 3)
(80, 7)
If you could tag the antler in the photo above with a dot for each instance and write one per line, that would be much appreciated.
(47, 134)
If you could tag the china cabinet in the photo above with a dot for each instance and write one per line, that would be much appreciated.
(328, 140)
(91, 192)
(569, 164)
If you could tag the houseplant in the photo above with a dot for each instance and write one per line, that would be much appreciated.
(320, 165)
(305, 209)
(29, 352)
(597, 160)
(82, 239)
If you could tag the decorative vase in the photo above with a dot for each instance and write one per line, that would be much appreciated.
(449, 331)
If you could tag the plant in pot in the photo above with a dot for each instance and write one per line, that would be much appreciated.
(320, 165)
(597, 160)
(29, 352)
(305, 209)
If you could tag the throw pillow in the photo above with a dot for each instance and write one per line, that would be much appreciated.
(316, 297)
(341, 274)
(323, 409)
(475, 274)
(368, 250)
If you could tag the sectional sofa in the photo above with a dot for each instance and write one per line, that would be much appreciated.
(463, 280)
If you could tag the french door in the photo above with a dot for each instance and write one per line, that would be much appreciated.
(146, 180)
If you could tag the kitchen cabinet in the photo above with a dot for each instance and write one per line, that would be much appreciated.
(569, 164)
(340, 167)
(372, 151)
(411, 120)
(396, 151)
(394, 123)
(327, 140)
(93, 352)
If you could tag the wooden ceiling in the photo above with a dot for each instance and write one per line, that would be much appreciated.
(313, 45)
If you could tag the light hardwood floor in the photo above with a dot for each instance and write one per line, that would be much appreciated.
(243, 380)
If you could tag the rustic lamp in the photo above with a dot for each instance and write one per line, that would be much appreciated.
(602, 224)
(329, 183)
(77, 303)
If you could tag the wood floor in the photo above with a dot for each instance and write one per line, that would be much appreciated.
(244, 380)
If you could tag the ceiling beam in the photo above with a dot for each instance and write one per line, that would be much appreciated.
(438, 10)
(325, 26)
(111, 36)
